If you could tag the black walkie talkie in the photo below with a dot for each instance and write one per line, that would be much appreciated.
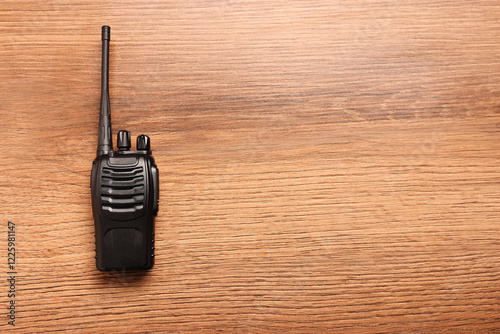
(125, 191)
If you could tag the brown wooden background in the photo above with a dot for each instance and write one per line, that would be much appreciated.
(325, 166)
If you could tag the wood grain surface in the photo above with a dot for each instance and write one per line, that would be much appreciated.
(325, 166)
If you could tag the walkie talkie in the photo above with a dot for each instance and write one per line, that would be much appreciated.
(124, 191)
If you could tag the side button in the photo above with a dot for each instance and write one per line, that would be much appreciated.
(156, 188)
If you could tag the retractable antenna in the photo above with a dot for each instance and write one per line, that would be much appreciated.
(105, 142)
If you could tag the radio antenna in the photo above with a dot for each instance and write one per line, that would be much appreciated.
(105, 142)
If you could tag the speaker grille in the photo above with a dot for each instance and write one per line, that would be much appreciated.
(122, 189)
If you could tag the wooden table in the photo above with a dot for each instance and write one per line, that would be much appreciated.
(325, 166)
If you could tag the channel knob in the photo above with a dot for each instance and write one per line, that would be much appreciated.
(143, 143)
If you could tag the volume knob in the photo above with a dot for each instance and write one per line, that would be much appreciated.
(143, 143)
(123, 140)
